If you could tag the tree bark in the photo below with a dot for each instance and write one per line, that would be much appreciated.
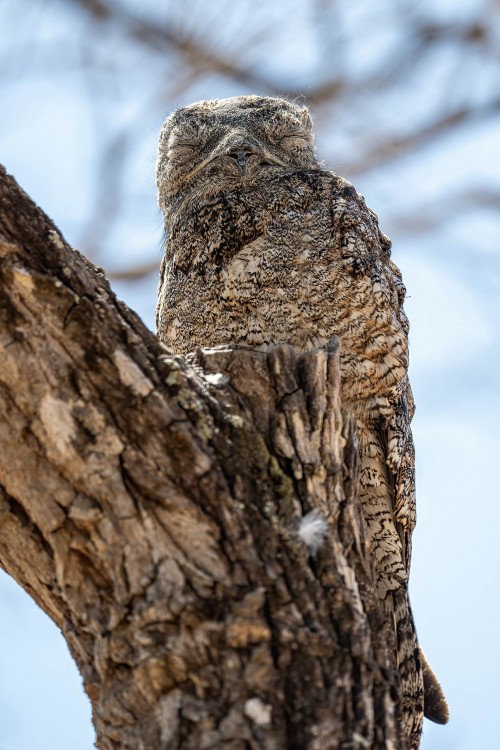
(152, 507)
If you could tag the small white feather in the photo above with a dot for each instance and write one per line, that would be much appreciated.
(258, 712)
(313, 530)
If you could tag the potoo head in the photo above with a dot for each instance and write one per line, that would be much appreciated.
(220, 143)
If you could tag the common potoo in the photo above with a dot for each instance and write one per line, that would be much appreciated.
(264, 247)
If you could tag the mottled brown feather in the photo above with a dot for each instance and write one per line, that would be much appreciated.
(266, 247)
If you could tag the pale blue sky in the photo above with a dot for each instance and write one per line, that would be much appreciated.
(49, 140)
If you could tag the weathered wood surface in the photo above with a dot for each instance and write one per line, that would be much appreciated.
(151, 507)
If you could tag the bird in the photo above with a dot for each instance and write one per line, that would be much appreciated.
(264, 246)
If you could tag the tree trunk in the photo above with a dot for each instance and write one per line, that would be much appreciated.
(154, 508)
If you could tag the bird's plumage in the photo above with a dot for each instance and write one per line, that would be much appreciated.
(266, 247)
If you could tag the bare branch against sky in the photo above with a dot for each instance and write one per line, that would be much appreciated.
(385, 80)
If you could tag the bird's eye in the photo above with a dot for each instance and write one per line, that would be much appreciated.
(290, 137)
(180, 152)
(183, 144)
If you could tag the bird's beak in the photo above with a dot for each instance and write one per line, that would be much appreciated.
(241, 161)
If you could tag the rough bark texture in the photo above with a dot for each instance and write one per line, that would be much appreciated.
(151, 507)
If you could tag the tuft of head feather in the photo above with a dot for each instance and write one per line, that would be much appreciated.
(313, 530)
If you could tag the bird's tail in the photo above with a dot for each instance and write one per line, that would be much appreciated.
(435, 704)
(421, 692)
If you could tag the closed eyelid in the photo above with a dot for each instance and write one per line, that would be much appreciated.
(302, 135)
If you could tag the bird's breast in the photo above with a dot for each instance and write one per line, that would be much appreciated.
(284, 263)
